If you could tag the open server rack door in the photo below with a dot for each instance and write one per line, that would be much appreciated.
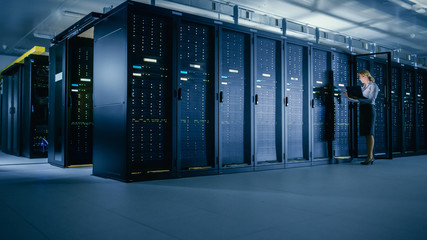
(297, 103)
(409, 110)
(234, 108)
(195, 101)
(420, 111)
(56, 114)
(70, 117)
(35, 107)
(267, 102)
(322, 105)
(396, 109)
(12, 87)
(342, 131)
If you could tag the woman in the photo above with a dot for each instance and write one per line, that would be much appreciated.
(367, 112)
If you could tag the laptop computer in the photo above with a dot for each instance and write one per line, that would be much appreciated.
(355, 91)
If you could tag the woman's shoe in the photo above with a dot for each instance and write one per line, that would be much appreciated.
(371, 161)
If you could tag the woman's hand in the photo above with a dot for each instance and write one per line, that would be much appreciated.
(345, 94)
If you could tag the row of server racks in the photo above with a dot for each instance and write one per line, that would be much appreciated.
(177, 95)
(24, 108)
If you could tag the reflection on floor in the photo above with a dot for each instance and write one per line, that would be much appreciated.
(6, 159)
(346, 201)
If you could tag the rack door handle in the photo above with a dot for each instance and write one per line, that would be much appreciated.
(221, 96)
(256, 99)
(179, 94)
(286, 101)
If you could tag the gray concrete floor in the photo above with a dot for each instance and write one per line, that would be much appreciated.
(387, 200)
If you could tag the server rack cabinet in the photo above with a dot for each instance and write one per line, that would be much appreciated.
(322, 105)
(4, 114)
(421, 111)
(342, 129)
(196, 103)
(235, 105)
(70, 98)
(380, 68)
(133, 93)
(297, 98)
(12, 87)
(268, 103)
(396, 109)
(35, 107)
(409, 110)
(359, 64)
(379, 72)
(1, 111)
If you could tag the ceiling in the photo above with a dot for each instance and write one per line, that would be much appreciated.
(398, 24)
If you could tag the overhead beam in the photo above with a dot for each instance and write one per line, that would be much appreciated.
(36, 50)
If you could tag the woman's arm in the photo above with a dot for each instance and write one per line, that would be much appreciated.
(349, 98)
(370, 93)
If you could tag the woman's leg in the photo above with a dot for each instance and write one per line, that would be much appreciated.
(370, 146)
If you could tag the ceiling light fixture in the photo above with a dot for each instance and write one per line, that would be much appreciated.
(73, 14)
(43, 35)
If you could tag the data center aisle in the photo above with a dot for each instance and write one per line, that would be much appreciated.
(7, 159)
(345, 201)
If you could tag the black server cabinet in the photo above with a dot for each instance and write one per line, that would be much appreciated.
(12, 110)
(234, 114)
(396, 109)
(342, 130)
(297, 103)
(267, 102)
(420, 111)
(409, 109)
(322, 104)
(379, 72)
(150, 98)
(133, 104)
(70, 98)
(195, 102)
(360, 149)
(35, 107)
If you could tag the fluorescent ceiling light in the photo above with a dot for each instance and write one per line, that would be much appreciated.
(73, 14)
(43, 35)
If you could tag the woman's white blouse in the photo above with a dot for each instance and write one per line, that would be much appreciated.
(370, 93)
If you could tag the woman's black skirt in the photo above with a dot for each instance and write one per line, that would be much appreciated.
(367, 117)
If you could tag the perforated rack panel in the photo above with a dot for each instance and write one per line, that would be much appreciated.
(321, 98)
(409, 109)
(295, 95)
(266, 108)
(80, 101)
(379, 73)
(39, 99)
(150, 93)
(421, 129)
(196, 88)
(361, 143)
(234, 99)
(396, 109)
(341, 71)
